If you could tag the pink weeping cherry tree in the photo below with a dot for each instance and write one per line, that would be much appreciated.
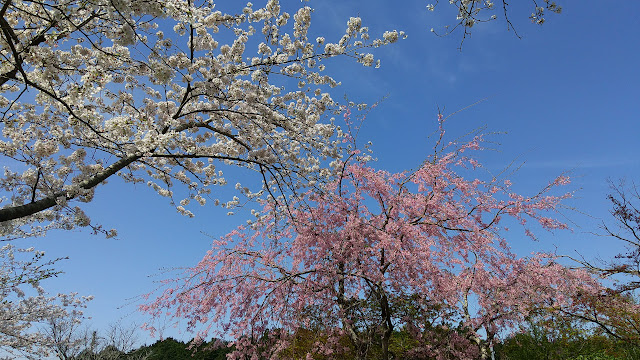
(375, 253)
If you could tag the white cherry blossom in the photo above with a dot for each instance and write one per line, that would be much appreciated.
(159, 92)
(25, 306)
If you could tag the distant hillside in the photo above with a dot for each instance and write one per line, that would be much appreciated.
(171, 349)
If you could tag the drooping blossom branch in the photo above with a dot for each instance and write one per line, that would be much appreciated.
(345, 259)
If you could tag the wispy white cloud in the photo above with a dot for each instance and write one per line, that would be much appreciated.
(592, 163)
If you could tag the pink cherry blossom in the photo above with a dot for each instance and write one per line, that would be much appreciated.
(344, 258)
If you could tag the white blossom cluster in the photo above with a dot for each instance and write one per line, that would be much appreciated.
(24, 304)
(537, 16)
(471, 12)
(164, 93)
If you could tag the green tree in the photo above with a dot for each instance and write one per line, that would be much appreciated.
(549, 335)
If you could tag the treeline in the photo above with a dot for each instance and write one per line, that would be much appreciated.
(564, 340)
(167, 349)
(171, 349)
(536, 346)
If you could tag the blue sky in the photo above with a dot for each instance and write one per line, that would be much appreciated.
(565, 97)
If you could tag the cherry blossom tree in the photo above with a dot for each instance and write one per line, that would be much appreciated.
(72, 340)
(64, 337)
(161, 92)
(349, 256)
(25, 306)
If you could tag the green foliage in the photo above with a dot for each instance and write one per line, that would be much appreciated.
(168, 349)
(548, 336)
(171, 349)
(596, 356)
(542, 339)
